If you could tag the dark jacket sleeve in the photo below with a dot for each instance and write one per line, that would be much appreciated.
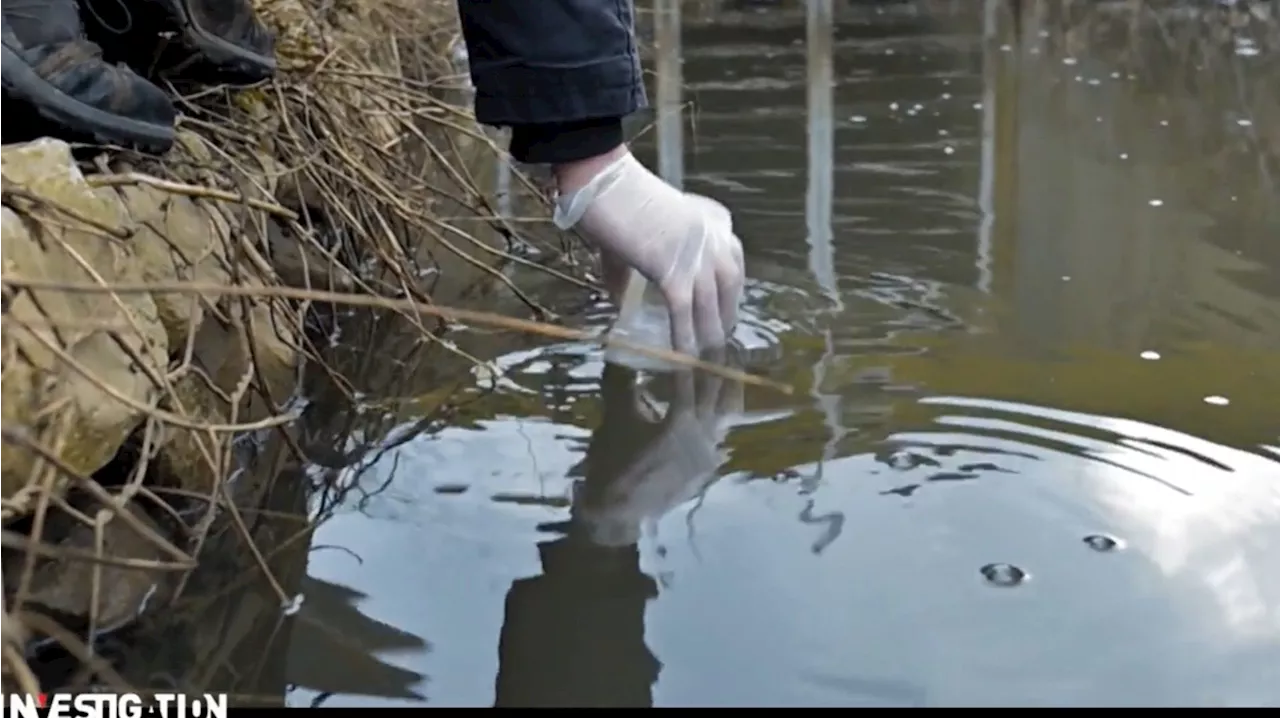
(554, 69)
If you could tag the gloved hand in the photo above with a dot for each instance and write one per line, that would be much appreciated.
(681, 242)
(639, 465)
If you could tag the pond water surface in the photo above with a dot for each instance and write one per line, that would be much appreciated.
(1030, 299)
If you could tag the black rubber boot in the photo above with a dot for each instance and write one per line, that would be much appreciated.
(49, 64)
(213, 41)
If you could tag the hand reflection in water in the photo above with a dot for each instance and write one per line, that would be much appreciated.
(574, 636)
(642, 464)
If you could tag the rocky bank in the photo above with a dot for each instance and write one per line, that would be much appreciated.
(333, 177)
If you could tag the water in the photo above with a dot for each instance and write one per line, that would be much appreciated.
(1030, 299)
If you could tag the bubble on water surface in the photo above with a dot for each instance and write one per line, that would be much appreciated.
(1004, 575)
(1150, 355)
(1217, 400)
(1102, 543)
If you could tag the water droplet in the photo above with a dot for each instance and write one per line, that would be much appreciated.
(1004, 574)
(1150, 355)
(858, 118)
(1124, 155)
(905, 460)
(1244, 123)
(949, 150)
(1164, 123)
(893, 106)
(1217, 400)
(946, 95)
(977, 105)
(1156, 203)
(1069, 61)
(1101, 543)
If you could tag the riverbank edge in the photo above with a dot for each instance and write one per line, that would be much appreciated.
(128, 368)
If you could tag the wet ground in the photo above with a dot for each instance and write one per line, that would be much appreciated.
(1030, 297)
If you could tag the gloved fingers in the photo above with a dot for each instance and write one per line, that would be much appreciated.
(716, 355)
(736, 247)
(729, 285)
(706, 311)
(684, 337)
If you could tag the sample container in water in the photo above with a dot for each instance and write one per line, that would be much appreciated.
(643, 318)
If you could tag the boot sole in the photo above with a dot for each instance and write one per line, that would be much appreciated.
(20, 80)
(253, 66)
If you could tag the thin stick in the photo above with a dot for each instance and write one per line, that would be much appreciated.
(403, 305)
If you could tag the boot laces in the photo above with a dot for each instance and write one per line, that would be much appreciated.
(128, 18)
(30, 10)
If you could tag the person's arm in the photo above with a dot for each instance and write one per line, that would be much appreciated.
(560, 73)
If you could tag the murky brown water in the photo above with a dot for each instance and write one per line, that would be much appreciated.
(1031, 299)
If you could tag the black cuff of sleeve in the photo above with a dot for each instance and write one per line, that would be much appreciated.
(556, 143)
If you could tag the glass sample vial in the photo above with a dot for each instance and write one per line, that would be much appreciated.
(643, 318)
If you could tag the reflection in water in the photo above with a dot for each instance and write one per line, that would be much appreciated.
(1010, 486)
(821, 117)
(819, 31)
(991, 62)
(574, 636)
(335, 648)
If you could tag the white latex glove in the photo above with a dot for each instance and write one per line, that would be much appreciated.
(683, 243)
(677, 457)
